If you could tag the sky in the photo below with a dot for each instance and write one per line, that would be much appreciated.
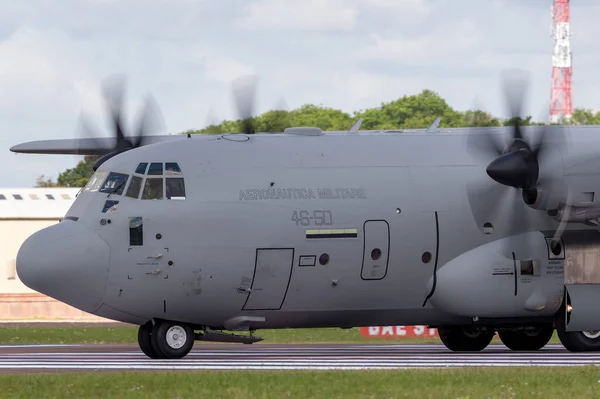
(345, 54)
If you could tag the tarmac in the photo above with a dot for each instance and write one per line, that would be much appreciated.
(54, 358)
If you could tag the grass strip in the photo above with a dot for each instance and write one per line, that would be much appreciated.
(529, 382)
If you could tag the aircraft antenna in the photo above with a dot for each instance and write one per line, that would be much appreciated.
(561, 98)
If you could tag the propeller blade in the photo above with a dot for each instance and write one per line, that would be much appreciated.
(520, 218)
(244, 89)
(485, 145)
(150, 121)
(515, 87)
(113, 90)
(487, 201)
(86, 134)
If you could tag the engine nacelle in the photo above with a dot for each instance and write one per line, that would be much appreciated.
(544, 199)
(519, 276)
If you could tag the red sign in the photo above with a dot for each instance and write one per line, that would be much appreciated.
(398, 331)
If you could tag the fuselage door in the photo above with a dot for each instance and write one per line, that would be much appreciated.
(272, 273)
(376, 249)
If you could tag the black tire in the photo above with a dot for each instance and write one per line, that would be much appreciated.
(465, 338)
(528, 339)
(172, 340)
(576, 341)
(145, 341)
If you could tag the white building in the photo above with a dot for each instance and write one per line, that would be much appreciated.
(23, 211)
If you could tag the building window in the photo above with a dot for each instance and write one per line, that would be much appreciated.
(50, 196)
(34, 196)
(17, 196)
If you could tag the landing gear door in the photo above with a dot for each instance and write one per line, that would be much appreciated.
(376, 250)
(272, 275)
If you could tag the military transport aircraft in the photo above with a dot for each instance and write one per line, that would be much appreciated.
(473, 231)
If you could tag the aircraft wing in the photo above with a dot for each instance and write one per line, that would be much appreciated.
(85, 146)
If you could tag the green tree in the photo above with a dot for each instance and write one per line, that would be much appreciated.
(43, 181)
(408, 112)
(79, 175)
(584, 117)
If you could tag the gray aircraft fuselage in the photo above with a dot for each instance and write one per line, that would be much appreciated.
(292, 230)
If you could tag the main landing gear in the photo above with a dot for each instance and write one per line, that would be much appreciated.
(526, 338)
(166, 339)
(476, 338)
(466, 338)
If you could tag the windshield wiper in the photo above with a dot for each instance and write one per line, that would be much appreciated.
(117, 187)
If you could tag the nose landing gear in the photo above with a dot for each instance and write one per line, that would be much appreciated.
(165, 339)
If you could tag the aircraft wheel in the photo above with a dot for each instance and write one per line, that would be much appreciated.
(576, 341)
(145, 340)
(527, 339)
(172, 340)
(465, 338)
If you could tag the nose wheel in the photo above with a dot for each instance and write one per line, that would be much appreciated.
(166, 339)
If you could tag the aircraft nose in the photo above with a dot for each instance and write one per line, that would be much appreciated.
(66, 261)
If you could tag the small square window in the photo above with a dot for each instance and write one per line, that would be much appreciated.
(17, 196)
(141, 169)
(136, 231)
(2, 197)
(34, 196)
(65, 196)
(110, 205)
(50, 196)
(172, 168)
(156, 168)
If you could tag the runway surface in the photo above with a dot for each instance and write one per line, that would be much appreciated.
(28, 358)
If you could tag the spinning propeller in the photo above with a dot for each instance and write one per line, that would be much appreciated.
(244, 93)
(150, 120)
(518, 168)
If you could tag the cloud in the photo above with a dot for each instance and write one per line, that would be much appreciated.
(427, 48)
(414, 11)
(305, 15)
(348, 54)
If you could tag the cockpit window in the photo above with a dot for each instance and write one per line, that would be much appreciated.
(133, 191)
(141, 168)
(95, 181)
(175, 188)
(156, 168)
(115, 183)
(153, 189)
(172, 168)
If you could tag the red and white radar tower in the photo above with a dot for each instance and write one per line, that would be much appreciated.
(561, 100)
